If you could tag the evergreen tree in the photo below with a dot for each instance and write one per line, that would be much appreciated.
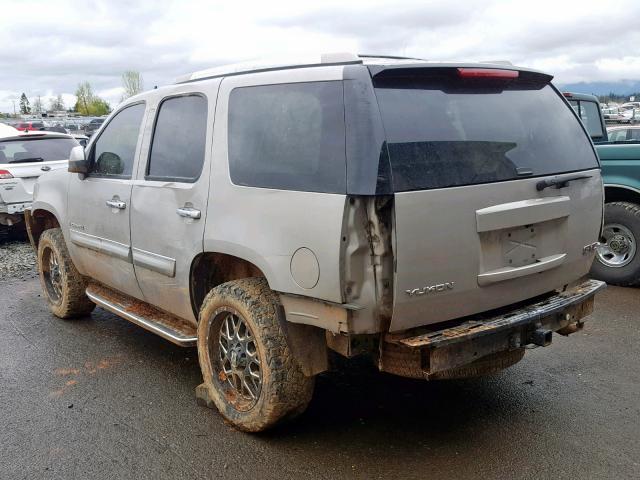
(25, 107)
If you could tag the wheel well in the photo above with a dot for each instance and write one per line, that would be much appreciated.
(209, 269)
(37, 222)
(619, 194)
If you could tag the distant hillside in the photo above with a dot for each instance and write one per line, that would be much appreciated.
(622, 88)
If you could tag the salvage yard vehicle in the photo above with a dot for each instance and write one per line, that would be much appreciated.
(618, 256)
(23, 158)
(93, 126)
(437, 217)
(623, 134)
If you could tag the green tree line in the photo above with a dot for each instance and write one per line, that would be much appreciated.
(87, 103)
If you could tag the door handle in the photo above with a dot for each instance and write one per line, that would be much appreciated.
(188, 212)
(116, 204)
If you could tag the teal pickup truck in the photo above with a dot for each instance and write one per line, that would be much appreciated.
(618, 257)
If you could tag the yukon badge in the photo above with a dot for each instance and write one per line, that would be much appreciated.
(440, 287)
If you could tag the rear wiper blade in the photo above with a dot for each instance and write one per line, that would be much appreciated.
(28, 160)
(559, 182)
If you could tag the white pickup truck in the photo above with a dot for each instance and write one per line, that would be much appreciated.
(23, 158)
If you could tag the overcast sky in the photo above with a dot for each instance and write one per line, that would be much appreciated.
(49, 46)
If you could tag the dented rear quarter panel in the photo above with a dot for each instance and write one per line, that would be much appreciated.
(266, 226)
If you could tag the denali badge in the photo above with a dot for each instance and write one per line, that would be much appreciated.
(440, 287)
(77, 226)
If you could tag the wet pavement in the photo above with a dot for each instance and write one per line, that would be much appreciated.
(102, 398)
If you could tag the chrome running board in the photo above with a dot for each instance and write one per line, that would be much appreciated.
(163, 324)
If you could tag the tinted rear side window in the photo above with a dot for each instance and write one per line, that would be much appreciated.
(288, 136)
(444, 134)
(177, 149)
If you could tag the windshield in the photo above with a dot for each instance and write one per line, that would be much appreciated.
(443, 134)
(36, 149)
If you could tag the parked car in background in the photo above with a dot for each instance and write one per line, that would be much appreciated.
(23, 158)
(437, 217)
(58, 128)
(30, 126)
(617, 115)
(628, 105)
(624, 134)
(93, 126)
(618, 256)
(73, 127)
(631, 111)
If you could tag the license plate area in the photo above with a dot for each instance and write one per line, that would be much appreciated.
(522, 245)
(519, 246)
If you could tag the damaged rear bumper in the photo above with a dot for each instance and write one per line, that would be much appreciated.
(429, 353)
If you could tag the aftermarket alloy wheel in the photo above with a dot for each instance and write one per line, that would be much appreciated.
(248, 369)
(63, 286)
(618, 257)
(236, 359)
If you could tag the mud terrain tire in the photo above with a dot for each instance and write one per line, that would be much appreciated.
(63, 286)
(284, 391)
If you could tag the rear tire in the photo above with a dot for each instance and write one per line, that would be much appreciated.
(618, 261)
(249, 371)
(63, 286)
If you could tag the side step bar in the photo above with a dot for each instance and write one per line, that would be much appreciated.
(167, 326)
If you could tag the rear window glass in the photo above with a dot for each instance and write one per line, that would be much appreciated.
(288, 136)
(36, 150)
(452, 135)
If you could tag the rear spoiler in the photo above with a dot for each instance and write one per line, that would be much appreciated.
(462, 71)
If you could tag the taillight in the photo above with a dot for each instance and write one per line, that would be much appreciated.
(487, 73)
(4, 174)
(567, 94)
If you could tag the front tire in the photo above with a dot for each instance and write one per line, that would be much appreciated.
(249, 371)
(618, 258)
(63, 286)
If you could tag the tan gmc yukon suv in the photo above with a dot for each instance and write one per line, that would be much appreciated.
(437, 217)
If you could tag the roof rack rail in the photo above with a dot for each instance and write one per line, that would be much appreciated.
(390, 57)
(339, 58)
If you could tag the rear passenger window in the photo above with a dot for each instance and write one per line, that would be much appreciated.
(177, 149)
(115, 149)
(288, 136)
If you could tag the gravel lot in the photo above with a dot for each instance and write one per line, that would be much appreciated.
(17, 260)
(101, 398)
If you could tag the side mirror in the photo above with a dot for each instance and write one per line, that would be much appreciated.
(78, 162)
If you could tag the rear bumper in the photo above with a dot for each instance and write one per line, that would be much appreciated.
(441, 350)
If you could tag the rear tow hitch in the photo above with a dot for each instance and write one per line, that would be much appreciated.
(542, 337)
